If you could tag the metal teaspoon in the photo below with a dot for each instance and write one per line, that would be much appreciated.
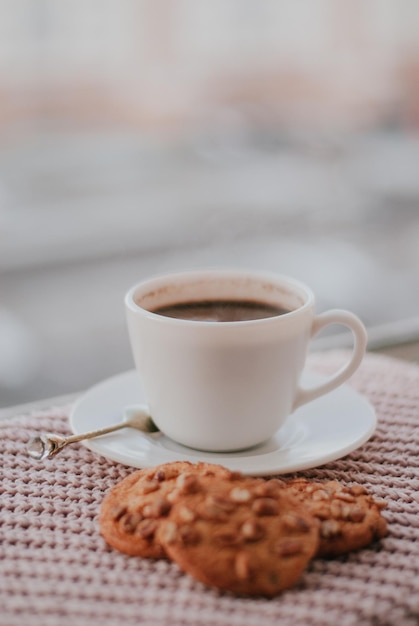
(48, 445)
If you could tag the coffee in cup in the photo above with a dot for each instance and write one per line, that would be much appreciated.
(221, 310)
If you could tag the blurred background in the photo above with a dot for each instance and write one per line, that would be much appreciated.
(139, 137)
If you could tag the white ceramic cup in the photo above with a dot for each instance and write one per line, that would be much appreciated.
(224, 386)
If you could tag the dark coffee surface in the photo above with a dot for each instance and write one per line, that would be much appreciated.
(221, 310)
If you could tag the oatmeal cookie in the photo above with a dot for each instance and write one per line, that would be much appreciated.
(133, 509)
(350, 518)
(239, 534)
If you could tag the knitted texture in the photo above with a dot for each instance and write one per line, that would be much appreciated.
(56, 569)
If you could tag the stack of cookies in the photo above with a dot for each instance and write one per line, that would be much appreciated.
(246, 535)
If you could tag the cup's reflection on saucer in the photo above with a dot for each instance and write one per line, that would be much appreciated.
(220, 354)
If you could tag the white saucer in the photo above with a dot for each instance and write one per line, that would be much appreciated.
(321, 431)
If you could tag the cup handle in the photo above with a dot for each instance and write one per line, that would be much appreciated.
(351, 321)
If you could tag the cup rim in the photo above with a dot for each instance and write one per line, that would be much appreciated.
(153, 284)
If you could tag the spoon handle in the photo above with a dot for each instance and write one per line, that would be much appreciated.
(47, 446)
(94, 433)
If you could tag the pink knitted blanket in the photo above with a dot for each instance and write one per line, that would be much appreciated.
(55, 568)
